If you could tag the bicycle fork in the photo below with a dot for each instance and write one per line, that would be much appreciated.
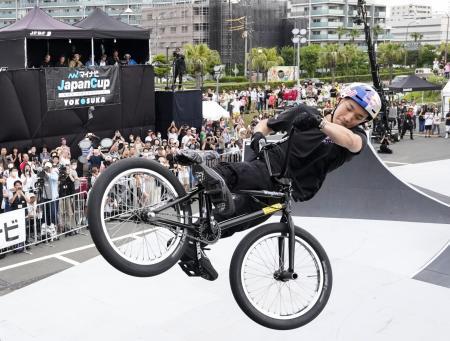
(282, 274)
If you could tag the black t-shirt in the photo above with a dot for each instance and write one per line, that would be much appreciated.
(96, 161)
(312, 155)
(447, 119)
(19, 202)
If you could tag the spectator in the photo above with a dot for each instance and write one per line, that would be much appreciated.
(4, 159)
(436, 121)
(47, 61)
(61, 62)
(94, 175)
(447, 124)
(75, 62)
(115, 60)
(28, 179)
(50, 194)
(95, 158)
(447, 70)
(45, 155)
(129, 60)
(428, 117)
(103, 60)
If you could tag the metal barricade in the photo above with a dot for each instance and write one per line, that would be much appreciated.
(42, 222)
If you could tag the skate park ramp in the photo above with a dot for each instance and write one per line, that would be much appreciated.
(374, 296)
(365, 188)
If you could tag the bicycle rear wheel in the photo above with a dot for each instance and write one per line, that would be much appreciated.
(257, 285)
(120, 222)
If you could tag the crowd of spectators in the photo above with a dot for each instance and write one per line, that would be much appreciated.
(77, 60)
(42, 175)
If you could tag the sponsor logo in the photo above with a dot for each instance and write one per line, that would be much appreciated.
(40, 33)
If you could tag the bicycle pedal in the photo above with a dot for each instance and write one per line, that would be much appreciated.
(189, 268)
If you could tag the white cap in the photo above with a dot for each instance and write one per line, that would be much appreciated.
(48, 165)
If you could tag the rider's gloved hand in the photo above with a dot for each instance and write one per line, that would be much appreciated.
(306, 121)
(256, 141)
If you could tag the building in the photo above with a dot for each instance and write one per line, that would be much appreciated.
(263, 21)
(410, 12)
(71, 11)
(433, 31)
(324, 19)
(174, 23)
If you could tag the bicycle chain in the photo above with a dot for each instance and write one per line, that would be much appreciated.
(205, 241)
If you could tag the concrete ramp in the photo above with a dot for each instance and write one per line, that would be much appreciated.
(365, 188)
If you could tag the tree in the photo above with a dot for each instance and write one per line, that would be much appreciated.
(161, 71)
(353, 34)
(376, 31)
(416, 36)
(346, 56)
(200, 59)
(309, 58)
(341, 31)
(288, 53)
(390, 54)
(262, 59)
(427, 55)
(328, 58)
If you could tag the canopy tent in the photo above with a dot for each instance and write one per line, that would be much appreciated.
(111, 33)
(413, 83)
(36, 25)
(104, 26)
(213, 111)
(445, 94)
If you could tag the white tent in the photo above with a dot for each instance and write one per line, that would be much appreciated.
(213, 111)
(445, 95)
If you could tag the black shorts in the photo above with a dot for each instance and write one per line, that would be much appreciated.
(428, 126)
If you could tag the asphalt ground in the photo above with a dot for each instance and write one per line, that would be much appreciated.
(21, 269)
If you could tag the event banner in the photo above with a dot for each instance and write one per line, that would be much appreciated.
(82, 87)
(12, 228)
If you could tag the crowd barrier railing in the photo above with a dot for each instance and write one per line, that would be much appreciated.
(42, 222)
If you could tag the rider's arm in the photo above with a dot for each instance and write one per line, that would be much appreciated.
(343, 137)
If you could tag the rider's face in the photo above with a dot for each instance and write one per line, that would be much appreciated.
(349, 114)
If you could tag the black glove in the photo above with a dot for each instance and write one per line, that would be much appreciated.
(255, 144)
(306, 121)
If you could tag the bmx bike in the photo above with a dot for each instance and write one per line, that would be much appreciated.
(141, 220)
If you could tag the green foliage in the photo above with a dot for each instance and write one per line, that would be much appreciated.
(200, 59)
(309, 58)
(376, 31)
(353, 34)
(341, 31)
(288, 53)
(329, 57)
(416, 36)
(161, 71)
(262, 59)
(427, 55)
(231, 79)
(427, 96)
(390, 54)
(437, 80)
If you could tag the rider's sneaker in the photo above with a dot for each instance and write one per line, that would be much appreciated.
(197, 264)
(218, 192)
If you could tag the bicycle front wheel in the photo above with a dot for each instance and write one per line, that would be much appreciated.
(121, 223)
(258, 285)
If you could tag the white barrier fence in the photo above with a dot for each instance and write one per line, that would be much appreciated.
(42, 223)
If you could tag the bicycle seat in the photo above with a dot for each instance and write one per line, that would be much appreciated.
(186, 157)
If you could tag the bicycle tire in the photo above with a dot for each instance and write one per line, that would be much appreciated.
(241, 297)
(95, 219)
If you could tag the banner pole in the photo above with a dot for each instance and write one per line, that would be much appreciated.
(25, 51)
(92, 52)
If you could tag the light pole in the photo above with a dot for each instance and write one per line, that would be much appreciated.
(406, 38)
(446, 39)
(257, 75)
(218, 72)
(298, 38)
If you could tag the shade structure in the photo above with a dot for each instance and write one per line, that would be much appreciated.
(37, 24)
(413, 83)
(213, 111)
(103, 26)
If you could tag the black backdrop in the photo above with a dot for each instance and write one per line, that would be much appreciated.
(25, 121)
(183, 107)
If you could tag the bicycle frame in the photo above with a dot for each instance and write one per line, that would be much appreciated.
(284, 207)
